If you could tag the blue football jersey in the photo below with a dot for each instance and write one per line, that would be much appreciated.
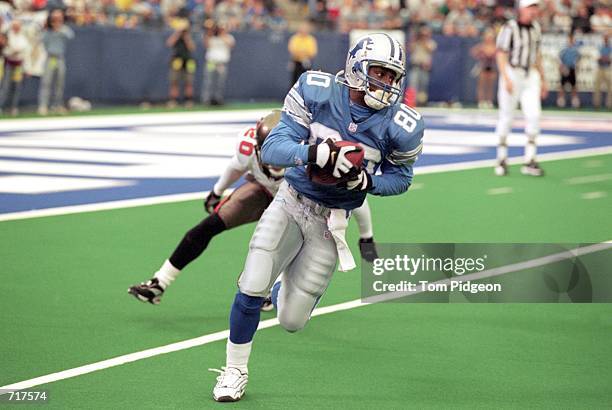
(317, 108)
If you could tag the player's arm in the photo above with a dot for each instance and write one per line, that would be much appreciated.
(396, 169)
(189, 42)
(405, 135)
(237, 167)
(171, 41)
(285, 146)
(503, 41)
(540, 67)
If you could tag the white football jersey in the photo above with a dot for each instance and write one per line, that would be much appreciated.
(246, 158)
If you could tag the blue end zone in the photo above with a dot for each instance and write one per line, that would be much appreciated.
(143, 187)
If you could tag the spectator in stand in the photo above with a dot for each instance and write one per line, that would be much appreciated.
(421, 49)
(425, 12)
(562, 20)
(482, 18)
(547, 12)
(14, 52)
(202, 11)
(256, 15)
(604, 74)
(376, 16)
(218, 44)
(393, 20)
(333, 13)
(149, 14)
(569, 57)
(182, 65)
(318, 14)
(55, 39)
(601, 21)
(485, 52)
(460, 21)
(107, 13)
(353, 16)
(303, 49)
(229, 15)
(126, 17)
(581, 22)
(276, 20)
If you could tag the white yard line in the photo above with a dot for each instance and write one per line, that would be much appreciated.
(124, 120)
(593, 163)
(589, 179)
(593, 195)
(500, 191)
(431, 169)
(217, 336)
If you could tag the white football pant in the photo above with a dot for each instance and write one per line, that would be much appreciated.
(291, 237)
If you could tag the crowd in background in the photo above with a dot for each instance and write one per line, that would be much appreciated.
(216, 19)
(468, 18)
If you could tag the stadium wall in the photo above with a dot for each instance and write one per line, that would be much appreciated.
(114, 66)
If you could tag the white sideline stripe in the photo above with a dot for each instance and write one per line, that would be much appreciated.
(550, 156)
(217, 336)
(431, 169)
(588, 179)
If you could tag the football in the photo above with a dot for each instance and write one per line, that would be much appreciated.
(324, 176)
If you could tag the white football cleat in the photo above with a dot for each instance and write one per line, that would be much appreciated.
(501, 169)
(231, 384)
(532, 168)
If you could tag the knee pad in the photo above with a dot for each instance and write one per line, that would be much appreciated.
(312, 276)
(257, 275)
(248, 304)
(290, 323)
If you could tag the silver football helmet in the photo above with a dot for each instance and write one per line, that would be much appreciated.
(380, 50)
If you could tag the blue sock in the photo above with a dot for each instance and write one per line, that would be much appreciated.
(274, 296)
(244, 318)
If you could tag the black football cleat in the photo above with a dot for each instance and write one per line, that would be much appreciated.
(367, 247)
(267, 305)
(150, 291)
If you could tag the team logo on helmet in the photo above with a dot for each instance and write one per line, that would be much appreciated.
(370, 51)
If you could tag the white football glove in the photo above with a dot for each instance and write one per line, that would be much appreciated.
(328, 155)
(362, 182)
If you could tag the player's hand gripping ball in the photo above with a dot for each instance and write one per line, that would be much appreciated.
(324, 175)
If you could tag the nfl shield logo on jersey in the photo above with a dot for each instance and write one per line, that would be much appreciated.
(352, 127)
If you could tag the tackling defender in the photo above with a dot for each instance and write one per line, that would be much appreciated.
(302, 232)
(244, 205)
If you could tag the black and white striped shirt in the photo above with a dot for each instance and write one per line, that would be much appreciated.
(521, 42)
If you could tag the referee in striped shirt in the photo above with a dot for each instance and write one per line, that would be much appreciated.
(521, 79)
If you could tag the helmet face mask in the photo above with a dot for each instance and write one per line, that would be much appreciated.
(375, 50)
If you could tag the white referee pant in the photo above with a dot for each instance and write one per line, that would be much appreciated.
(526, 90)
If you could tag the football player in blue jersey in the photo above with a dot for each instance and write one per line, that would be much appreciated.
(301, 233)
